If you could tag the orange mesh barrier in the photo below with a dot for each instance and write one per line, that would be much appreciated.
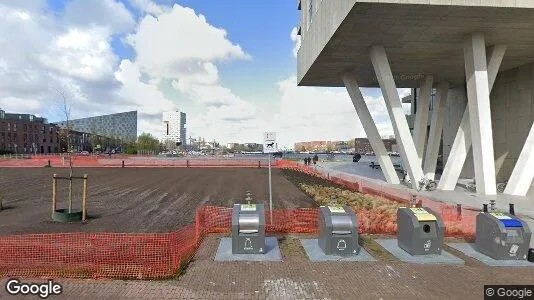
(132, 161)
(459, 223)
(161, 255)
(122, 255)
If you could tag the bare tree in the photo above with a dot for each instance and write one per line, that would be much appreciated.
(66, 109)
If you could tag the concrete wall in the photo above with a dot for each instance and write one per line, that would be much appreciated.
(325, 22)
(512, 113)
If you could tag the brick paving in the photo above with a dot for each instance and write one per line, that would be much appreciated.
(298, 278)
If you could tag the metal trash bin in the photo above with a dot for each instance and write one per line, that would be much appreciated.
(420, 231)
(248, 229)
(338, 231)
(502, 236)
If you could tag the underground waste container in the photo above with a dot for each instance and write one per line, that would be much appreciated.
(502, 236)
(248, 229)
(338, 230)
(420, 231)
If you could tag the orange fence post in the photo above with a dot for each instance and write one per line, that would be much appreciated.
(54, 203)
(84, 199)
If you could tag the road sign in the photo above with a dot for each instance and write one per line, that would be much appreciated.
(269, 142)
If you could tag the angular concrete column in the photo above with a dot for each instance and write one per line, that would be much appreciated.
(457, 156)
(404, 139)
(462, 141)
(436, 128)
(523, 173)
(370, 129)
(478, 101)
(421, 117)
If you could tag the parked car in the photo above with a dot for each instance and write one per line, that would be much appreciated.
(85, 153)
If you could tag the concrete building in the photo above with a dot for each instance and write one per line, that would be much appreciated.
(25, 133)
(174, 127)
(476, 55)
(121, 126)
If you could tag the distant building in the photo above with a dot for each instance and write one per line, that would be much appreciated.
(83, 141)
(361, 145)
(311, 146)
(26, 133)
(174, 126)
(120, 126)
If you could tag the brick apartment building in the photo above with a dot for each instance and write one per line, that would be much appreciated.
(25, 133)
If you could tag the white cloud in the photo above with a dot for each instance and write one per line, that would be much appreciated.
(17, 104)
(81, 53)
(312, 113)
(181, 46)
(180, 43)
(102, 13)
(143, 96)
(149, 7)
(41, 52)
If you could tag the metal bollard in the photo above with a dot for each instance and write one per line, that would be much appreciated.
(123, 163)
(187, 162)
(49, 164)
(259, 164)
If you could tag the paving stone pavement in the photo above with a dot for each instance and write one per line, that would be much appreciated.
(298, 278)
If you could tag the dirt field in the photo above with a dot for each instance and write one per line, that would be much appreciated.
(135, 199)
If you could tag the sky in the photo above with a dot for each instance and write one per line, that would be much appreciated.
(230, 65)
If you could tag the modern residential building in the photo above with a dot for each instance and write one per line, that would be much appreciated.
(121, 126)
(476, 55)
(174, 127)
(26, 133)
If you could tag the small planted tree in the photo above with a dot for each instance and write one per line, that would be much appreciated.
(66, 110)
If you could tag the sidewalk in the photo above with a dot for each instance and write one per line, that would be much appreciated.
(298, 278)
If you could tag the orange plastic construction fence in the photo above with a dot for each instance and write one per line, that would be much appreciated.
(133, 161)
(161, 255)
(134, 256)
(459, 221)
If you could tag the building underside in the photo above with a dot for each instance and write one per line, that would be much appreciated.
(476, 55)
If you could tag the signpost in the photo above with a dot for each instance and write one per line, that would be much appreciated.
(270, 146)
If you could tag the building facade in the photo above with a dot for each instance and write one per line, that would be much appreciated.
(174, 129)
(358, 145)
(121, 126)
(27, 134)
(474, 56)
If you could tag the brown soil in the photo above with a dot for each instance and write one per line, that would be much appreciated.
(135, 199)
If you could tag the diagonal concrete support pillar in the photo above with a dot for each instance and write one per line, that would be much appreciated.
(462, 141)
(478, 101)
(370, 129)
(404, 139)
(523, 173)
(457, 156)
(436, 128)
(421, 117)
